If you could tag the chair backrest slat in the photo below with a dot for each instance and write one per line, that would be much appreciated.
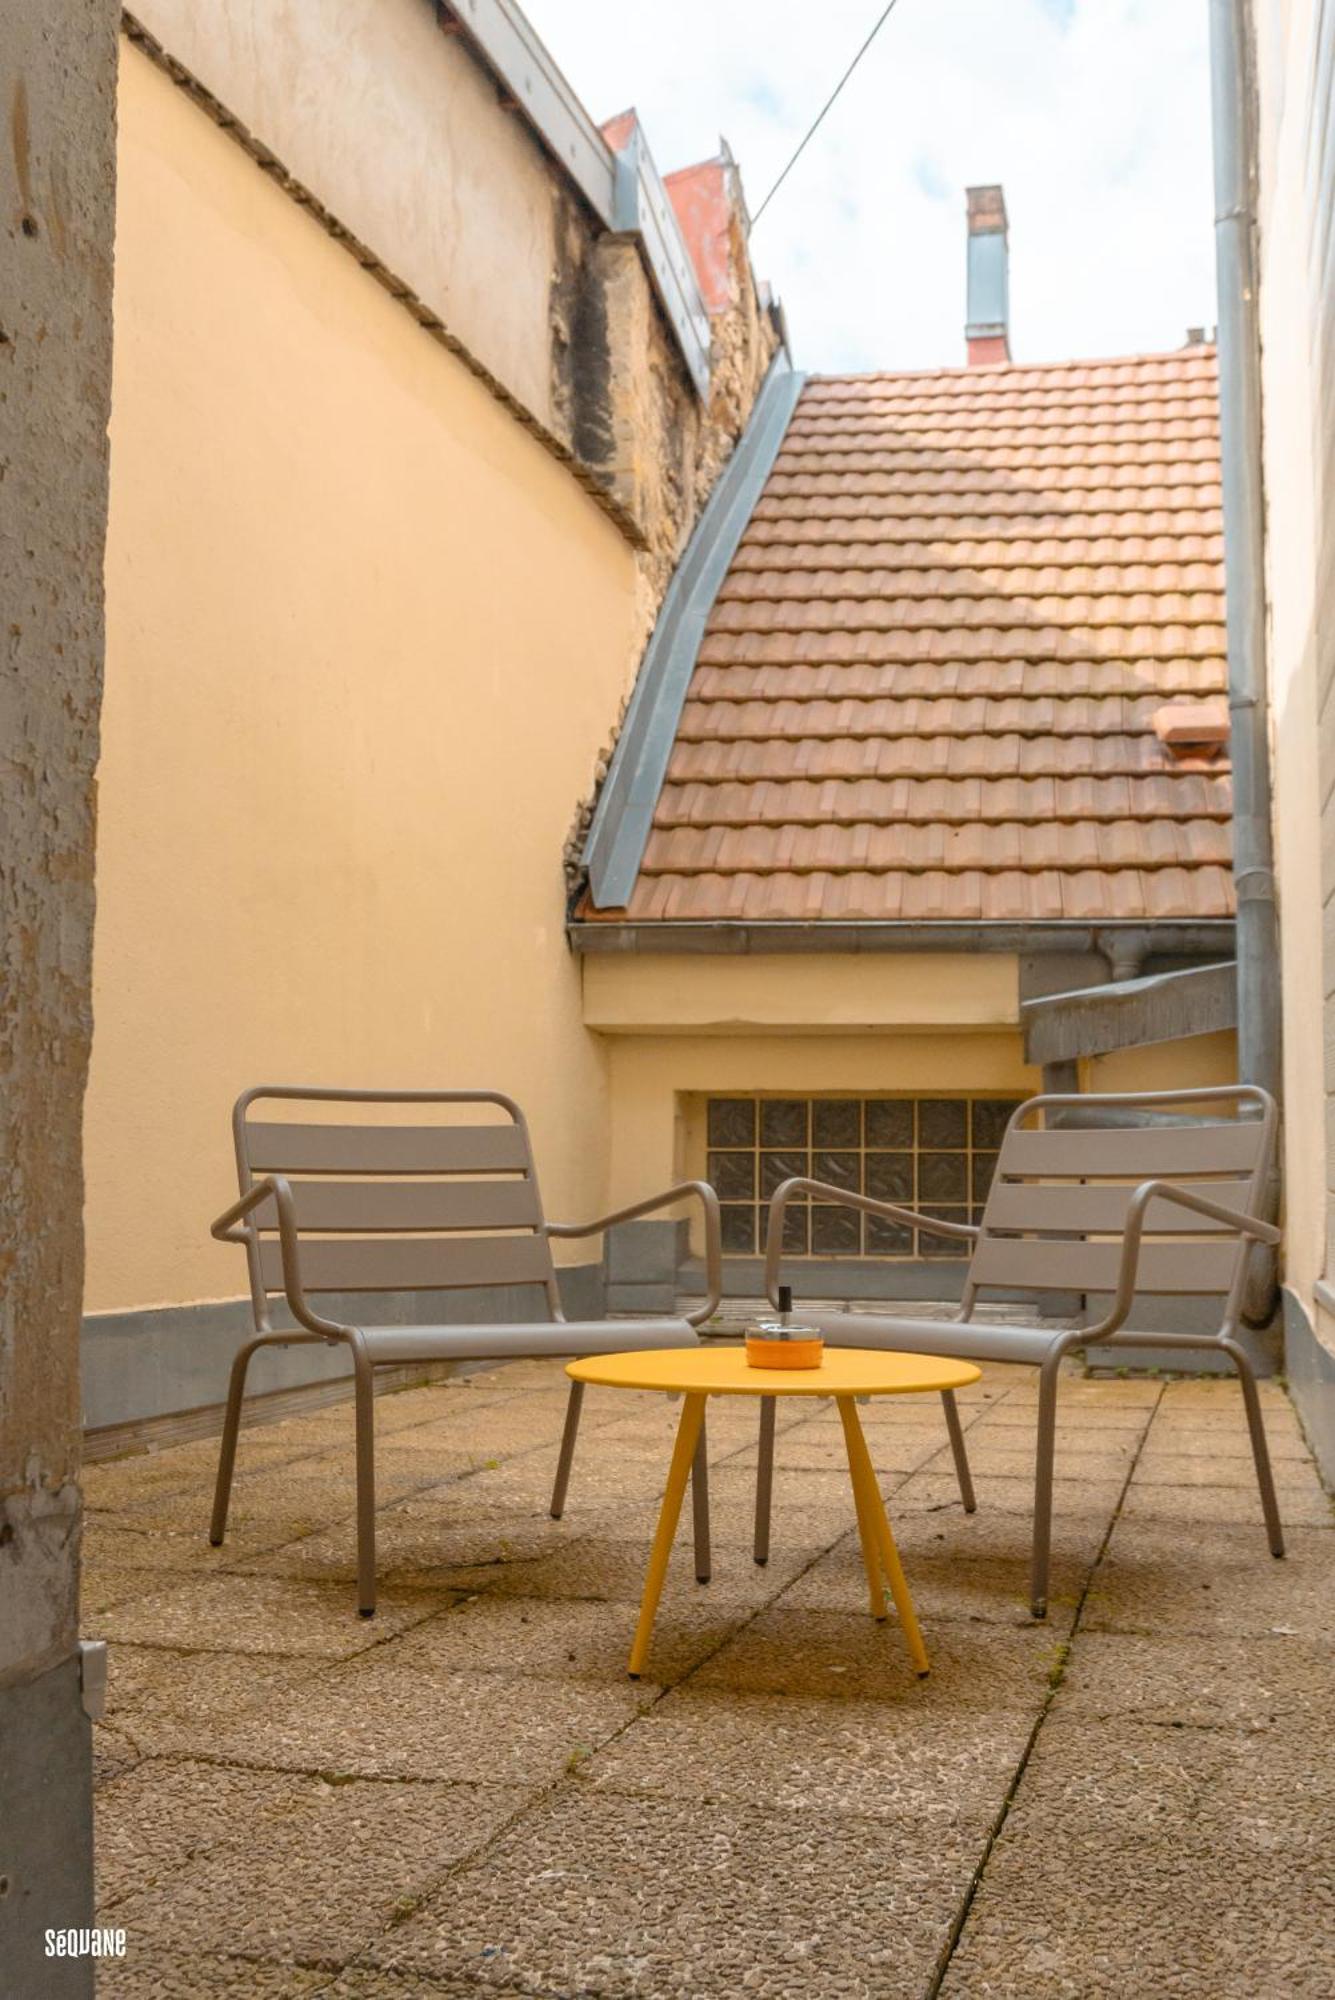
(370, 1207)
(410, 1263)
(1163, 1152)
(1056, 1208)
(386, 1149)
(1099, 1208)
(395, 1207)
(1046, 1264)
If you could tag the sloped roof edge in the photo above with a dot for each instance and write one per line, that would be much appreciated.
(620, 829)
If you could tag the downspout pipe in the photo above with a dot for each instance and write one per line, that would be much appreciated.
(1233, 98)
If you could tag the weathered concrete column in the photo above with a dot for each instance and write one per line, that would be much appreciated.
(57, 177)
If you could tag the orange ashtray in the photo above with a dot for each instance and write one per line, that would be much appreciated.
(763, 1351)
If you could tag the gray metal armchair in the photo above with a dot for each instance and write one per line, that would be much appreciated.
(1127, 1209)
(368, 1207)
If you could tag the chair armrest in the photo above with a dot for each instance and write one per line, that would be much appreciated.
(845, 1198)
(698, 1190)
(1235, 1219)
(226, 1228)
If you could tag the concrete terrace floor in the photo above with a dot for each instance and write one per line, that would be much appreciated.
(467, 1795)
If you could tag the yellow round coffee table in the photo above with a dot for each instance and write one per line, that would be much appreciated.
(844, 1373)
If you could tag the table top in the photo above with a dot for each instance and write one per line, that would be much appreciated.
(718, 1370)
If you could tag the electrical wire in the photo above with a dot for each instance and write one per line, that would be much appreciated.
(819, 119)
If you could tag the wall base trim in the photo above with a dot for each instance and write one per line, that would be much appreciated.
(167, 1366)
(1309, 1363)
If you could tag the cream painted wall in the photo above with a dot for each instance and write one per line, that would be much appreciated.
(833, 993)
(1294, 194)
(658, 1082)
(399, 131)
(1184, 1065)
(365, 638)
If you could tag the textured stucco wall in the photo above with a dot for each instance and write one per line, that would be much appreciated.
(364, 636)
(56, 197)
(57, 187)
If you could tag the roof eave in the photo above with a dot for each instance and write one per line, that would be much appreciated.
(1189, 937)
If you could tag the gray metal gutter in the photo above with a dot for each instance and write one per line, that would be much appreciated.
(629, 199)
(625, 809)
(1129, 1013)
(1260, 1021)
(1210, 938)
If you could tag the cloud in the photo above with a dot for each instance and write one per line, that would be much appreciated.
(1095, 117)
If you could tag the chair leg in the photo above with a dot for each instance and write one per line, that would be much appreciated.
(363, 1376)
(1047, 1448)
(961, 1456)
(574, 1404)
(236, 1392)
(1260, 1450)
(700, 1506)
(764, 1478)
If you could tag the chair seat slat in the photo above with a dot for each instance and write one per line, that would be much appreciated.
(366, 1207)
(384, 1149)
(410, 1263)
(1101, 1209)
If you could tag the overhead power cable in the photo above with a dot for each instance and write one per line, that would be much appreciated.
(819, 119)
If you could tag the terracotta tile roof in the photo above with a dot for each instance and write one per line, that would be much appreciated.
(928, 683)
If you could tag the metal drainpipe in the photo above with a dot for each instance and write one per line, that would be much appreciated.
(1233, 106)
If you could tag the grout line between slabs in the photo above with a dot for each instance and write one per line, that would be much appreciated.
(1057, 1678)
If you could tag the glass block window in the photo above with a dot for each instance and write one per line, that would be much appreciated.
(934, 1154)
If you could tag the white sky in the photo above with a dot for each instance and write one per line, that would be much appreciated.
(1094, 114)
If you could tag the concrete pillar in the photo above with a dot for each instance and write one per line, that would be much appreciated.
(57, 184)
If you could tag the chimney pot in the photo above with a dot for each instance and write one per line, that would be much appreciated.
(987, 330)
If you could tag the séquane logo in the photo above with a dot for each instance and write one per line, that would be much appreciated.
(85, 1944)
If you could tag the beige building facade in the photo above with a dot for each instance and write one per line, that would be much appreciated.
(376, 588)
(1295, 58)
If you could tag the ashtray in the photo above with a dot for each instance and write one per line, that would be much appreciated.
(784, 1344)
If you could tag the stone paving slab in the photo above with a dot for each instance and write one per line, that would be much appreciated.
(307, 1870)
(169, 1975)
(596, 1894)
(1191, 1862)
(1156, 1579)
(606, 1566)
(1198, 1682)
(946, 1584)
(166, 1701)
(1152, 1500)
(791, 1755)
(564, 1638)
(392, 1719)
(847, 1656)
(256, 1614)
(426, 1543)
(1129, 1798)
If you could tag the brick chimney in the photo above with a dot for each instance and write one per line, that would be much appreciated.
(987, 331)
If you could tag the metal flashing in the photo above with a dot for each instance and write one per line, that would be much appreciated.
(627, 197)
(1208, 937)
(1130, 1013)
(621, 821)
(644, 211)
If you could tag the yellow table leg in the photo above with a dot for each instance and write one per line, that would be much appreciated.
(683, 1451)
(864, 1484)
(866, 1526)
